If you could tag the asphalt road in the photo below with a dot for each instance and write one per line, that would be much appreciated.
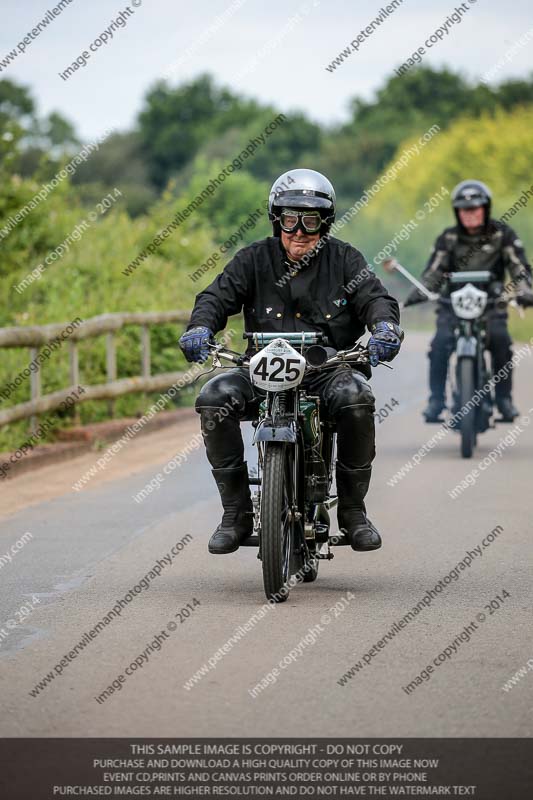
(90, 548)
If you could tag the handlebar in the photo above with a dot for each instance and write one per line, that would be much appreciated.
(356, 355)
(502, 300)
(491, 301)
(466, 276)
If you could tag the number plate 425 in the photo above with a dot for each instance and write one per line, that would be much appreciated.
(277, 366)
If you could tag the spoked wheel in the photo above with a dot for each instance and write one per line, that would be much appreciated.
(278, 528)
(466, 392)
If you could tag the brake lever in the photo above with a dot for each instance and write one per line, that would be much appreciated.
(238, 359)
(344, 355)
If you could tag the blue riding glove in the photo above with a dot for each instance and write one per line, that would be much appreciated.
(384, 344)
(194, 343)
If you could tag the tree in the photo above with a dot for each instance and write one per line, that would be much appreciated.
(495, 148)
(16, 110)
(58, 131)
(30, 142)
(354, 154)
(293, 143)
(421, 92)
(177, 121)
(118, 162)
(514, 92)
(16, 104)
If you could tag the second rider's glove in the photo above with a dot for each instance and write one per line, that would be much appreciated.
(525, 298)
(194, 343)
(384, 344)
(415, 296)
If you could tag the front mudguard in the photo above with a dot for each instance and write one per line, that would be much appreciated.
(285, 432)
(466, 347)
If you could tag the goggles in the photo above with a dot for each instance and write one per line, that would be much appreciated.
(309, 221)
(470, 200)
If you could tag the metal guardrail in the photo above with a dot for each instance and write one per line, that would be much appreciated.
(34, 337)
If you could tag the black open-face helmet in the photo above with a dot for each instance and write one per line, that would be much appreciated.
(471, 194)
(303, 190)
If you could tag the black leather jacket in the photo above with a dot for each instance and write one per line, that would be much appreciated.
(498, 250)
(335, 293)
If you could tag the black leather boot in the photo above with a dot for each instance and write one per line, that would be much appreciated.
(433, 409)
(506, 408)
(237, 521)
(352, 486)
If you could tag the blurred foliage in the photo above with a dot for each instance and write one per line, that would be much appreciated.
(495, 148)
(118, 162)
(88, 281)
(25, 139)
(230, 204)
(175, 122)
(183, 137)
(406, 105)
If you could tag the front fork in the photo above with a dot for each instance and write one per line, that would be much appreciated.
(471, 344)
(278, 405)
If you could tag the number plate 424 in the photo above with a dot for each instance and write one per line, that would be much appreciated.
(277, 366)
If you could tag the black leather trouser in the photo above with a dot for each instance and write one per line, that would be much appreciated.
(442, 345)
(230, 397)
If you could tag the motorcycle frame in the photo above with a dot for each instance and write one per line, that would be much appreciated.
(284, 426)
(471, 343)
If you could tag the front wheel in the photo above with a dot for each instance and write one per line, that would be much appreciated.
(466, 378)
(278, 529)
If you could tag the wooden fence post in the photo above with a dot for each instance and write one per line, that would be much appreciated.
(35, 337)
(74, 373)
(111, 368)
(145, 349)
(146, 355)
(35, 386)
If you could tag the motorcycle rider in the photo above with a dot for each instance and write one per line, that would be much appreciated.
(295, 280)
(476, 242)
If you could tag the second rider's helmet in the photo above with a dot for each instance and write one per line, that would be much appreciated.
(472, 194)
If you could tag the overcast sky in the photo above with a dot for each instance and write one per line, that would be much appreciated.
(292, 43)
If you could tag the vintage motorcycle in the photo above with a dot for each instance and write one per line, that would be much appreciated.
(472, 294)
(296, 455)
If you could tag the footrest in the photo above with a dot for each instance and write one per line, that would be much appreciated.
(343, 542)
(506, 421)
(251, 541)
